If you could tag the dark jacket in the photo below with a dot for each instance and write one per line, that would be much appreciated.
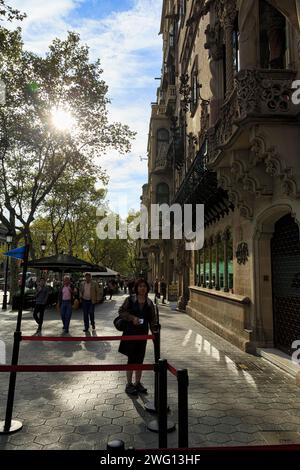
(127, 311)
(42, 295)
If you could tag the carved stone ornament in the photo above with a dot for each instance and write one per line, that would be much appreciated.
(214, 41)
(242, 253)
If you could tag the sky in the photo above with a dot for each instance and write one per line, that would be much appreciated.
(124, 35)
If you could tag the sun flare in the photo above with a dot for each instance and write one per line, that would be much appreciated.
(62, 120)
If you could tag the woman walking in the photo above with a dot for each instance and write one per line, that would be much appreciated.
(65, 300)
(139, 311)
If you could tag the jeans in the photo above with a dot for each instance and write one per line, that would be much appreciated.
(66, 313)
(39, 308)
(88, 313)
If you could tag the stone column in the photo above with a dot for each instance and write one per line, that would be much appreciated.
(204, 266)
(225, 239)
(217, 242)
(210, 262)
(229, 15)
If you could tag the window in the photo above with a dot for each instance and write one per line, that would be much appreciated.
(162, 143)
(162, 193)
(272, 37)
(182, 9)
(194, 89)
(236, 46)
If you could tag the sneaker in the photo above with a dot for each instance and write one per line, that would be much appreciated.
(85, 330)
(93, 326)
(130, 388)
(140, 388)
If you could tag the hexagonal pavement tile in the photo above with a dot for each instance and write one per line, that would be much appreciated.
(37, 430)
(47, 439)
(108, 429)
(61, 420)
(245, 437)
(124, 406)
(112, 413)
(115, 401)
(81, 446)
(233, 420)
(215, 413)
(202, 429)
(78, 421)
(102, 407)
(202, 407)
(86, 428)
(225, 428)
(123, 421)
(21, 439)
(210, 420)
(134, 429)
(100, 420)
(218, 438)
(68, 439)
(64, 429)
(247, 428)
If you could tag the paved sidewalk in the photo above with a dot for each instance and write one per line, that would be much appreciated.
(234, 398)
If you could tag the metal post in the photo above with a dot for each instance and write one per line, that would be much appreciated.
(162, 405)
(4, 303)
(151, 405)
(10, 426)
(183, 428)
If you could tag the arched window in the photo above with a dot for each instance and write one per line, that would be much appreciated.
(273, 43)
(162, 193)
(162, 138)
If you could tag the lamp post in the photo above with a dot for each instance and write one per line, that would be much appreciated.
(43, 246)
(9, 239)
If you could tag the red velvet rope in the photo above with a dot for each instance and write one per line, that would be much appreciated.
(172, 369)
(88, 338)
(74, 368)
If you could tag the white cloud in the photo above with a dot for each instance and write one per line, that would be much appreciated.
(129, 47)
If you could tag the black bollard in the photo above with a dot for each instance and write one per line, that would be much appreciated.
(115, 446)
(183, 428)
(162, 404)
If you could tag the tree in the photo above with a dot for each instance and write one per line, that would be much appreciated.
(42, 95)
(69, 215)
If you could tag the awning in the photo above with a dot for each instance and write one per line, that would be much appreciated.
(64, 263)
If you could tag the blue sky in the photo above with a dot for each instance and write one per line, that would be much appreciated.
(124, 35)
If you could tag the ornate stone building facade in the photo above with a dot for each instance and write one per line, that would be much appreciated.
(225, 132)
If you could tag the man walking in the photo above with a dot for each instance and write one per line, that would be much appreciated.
(156, 290)
(90, 296)
(41, 299)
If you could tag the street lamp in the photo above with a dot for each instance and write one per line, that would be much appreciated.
(9, 239)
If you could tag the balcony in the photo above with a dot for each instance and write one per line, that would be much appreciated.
(200, 187)
(258, 95)
(171, 96)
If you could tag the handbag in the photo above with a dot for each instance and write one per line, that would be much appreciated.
(119, 323)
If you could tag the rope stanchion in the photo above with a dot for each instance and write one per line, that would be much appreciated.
(172, 369)
(163, 424)
(151, 405)
(87, 338)
(183, 427)
(10, 426)
(74, 368)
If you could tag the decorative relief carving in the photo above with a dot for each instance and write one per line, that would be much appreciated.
(214, 41)
(242, 253)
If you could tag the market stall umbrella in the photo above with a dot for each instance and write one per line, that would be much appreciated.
(64, 263)
(107, 273)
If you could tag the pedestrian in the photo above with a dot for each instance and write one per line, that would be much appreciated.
(41, 300)
(110, 289)
(163, 289)
(65, 301)
(90, 296)
(156, 290)
(139, 311)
